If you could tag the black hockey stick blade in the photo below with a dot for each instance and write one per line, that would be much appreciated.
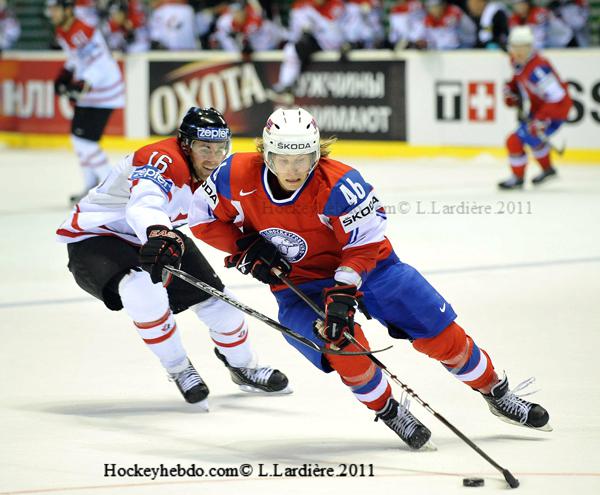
(264, 318)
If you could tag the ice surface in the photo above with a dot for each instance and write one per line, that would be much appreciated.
(79, 390)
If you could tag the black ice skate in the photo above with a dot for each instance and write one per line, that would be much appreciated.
(543, 176)
(513, 182)
(515, 410)
(190, 384)
(400, 420)
(264, 379)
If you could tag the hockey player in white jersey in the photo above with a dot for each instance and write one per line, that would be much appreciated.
(92, 80)
(121, 235)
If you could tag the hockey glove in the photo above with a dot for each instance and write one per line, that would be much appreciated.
(258, 257)
(164, 247)
(62, 81)
(511, 99)
(537, 128)
(340, 307)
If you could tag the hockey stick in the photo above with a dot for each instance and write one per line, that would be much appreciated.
(510, 479)
(265, 319)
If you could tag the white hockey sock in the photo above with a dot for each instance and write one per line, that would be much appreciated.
(290, 68)
(228, 330)
(148, 305)
(92, 160)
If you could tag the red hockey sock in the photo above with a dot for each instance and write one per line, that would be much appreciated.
(516, 155)
(461, 356)
(366, 381)
(542, 155)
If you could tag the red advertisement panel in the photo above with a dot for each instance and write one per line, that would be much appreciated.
(28, 103)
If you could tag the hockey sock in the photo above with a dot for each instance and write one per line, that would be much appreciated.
(359, 373)
(228, 330)
(461, 356)
(516, 155)
(290, 68)
(542, 155)
(93, 161)
(148, 305)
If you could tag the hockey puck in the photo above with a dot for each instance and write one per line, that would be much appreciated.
(473, 482)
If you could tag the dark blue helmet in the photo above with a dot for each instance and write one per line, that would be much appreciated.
(202, 124)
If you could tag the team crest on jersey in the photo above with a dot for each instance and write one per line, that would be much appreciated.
(290, 245)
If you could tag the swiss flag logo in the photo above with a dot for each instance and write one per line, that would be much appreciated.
(481, 101)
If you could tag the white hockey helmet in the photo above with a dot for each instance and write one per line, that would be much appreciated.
(520, 36)
(291, 131)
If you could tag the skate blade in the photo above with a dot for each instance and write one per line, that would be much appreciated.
(201, 406)
(546, 427)
(253, 390)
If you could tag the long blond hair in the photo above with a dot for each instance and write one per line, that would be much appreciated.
(324, 145)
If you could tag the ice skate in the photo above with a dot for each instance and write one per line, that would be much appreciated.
(190, 384)
(283, 97)
(263, 379)
(400, 420)
(544, 175)
(513, 182)
(511, 408)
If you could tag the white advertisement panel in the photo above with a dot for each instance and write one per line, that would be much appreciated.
(455, 98)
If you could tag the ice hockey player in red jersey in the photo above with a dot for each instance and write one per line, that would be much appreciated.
(123, 232)
(92, 80)
(543, 102)
(291, 207)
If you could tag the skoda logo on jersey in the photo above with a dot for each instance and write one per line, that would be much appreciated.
(290, 245)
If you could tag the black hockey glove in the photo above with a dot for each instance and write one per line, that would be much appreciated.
(257, 257)
(62, 81)
(164, 247)
(341, 302)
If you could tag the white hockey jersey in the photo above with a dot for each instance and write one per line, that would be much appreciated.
(152, 186)
(90, 60)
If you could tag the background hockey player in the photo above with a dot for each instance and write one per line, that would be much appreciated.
(92, 80)
(330, 226)
(314, 25)
(141, 204)
(543, 103)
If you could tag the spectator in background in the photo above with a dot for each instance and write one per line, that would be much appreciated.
(126, 28)
(207, 14)
(243, 27)
(407, 24)
(491, 20)
(314, 25)
(362, 23)
(446, 27)
(172, 26)
(10, 29)
(575, 14)
(548, 30)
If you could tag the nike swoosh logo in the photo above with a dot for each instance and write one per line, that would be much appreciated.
(243, 193)
(443, 308)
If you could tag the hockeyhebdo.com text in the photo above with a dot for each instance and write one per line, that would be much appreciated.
(422, 207)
